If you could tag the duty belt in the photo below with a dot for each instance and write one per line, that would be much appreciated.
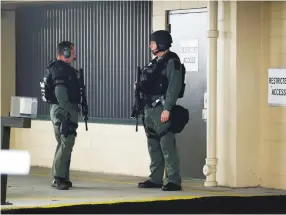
(153, 101)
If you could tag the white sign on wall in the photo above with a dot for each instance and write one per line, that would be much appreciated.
(277, 87)
(189, 54)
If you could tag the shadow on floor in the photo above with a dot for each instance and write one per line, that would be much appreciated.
(223, 204)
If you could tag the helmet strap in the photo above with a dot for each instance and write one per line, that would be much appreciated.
(155, 52)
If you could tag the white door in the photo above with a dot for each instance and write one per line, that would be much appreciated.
(188, 29)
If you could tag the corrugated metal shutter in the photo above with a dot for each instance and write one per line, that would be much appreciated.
(111, 39)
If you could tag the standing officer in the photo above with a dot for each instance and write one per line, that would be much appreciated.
(61, 88)
(160, 86)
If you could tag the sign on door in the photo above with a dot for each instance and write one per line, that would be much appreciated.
(189, 54)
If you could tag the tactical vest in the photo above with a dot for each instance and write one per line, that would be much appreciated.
(154, 79)
(59, 72)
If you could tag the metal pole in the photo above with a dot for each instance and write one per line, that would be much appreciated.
(5, 145)
(211, 160)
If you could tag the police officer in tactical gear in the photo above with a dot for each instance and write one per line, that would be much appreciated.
(61, 89)
(161, 85)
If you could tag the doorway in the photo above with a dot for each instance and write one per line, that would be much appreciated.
(189, 30)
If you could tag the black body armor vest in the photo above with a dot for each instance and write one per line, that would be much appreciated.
(153, 80)
(60, 73)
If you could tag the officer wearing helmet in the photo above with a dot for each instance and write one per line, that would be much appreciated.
(160, 86)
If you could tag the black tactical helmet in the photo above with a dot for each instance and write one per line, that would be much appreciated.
(162, 38)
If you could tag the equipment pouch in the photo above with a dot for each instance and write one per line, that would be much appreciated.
(64, 128)
(68, 128)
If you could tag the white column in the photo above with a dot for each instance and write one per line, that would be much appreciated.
(211, 160)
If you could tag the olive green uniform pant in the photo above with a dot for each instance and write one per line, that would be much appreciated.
(62, 157)
(162, 150)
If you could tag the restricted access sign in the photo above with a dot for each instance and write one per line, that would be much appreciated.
(189, 54)
(277, 87)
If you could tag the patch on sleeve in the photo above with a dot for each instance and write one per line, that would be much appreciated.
(177, 65)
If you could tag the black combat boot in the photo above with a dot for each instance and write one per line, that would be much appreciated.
(171, 187)
(149, 184)
(69, 183)
(61, 184)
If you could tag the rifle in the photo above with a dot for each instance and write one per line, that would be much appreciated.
(136, 110)
(83, 102)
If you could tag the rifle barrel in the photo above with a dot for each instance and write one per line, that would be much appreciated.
(84, 105)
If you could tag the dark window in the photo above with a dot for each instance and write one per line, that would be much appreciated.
(111, 38)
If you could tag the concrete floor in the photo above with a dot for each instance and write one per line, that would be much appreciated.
(35, 190)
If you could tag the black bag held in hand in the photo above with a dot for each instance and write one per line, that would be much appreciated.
(179, 117)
